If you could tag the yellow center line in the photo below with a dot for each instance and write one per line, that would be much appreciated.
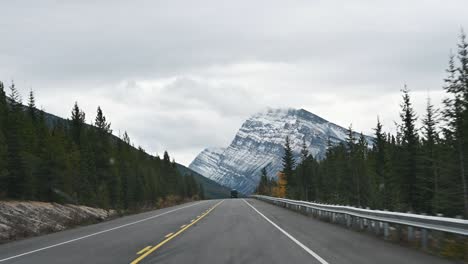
(168, 235)
(143, 250)
(151, 250)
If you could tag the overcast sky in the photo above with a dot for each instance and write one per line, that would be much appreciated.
(184, 75)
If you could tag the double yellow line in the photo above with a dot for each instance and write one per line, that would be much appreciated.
(151, 250)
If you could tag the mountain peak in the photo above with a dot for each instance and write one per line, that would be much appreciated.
(259, 143)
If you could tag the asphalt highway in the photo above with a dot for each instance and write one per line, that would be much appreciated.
(213, 231)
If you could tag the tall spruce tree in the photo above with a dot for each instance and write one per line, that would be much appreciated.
(77, 123)
(463, 134)
(350, 177)
(263, 183)
(3, 108)
(410, 149)
(3, 141)
(16, 169)
(101, 123)
(429, 180)
(32, 106)
(381, 183)
(304, 171)
(289, 164)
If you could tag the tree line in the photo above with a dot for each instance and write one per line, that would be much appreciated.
(69, 161)
(418, 169)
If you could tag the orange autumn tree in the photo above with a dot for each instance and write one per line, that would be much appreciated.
(280, 189)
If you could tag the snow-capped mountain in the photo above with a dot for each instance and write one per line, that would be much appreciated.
(259, 143)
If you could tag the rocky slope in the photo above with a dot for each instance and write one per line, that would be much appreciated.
(20, 219)
(259, 143)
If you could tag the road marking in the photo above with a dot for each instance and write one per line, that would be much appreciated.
(168, 235)
(97, 233)
(308, 250)
(171, 237)
(143, 250)
(182, 226)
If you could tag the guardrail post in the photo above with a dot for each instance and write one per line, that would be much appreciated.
(386, 231)
(348, 220)
(377, 227)
(361, 223)
(410, 233)
(424, 239)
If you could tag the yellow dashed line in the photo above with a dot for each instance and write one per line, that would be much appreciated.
(168, 235)
(151, 250)
(143, 250)
(182, 226)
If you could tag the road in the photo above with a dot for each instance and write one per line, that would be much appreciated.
(214, 231)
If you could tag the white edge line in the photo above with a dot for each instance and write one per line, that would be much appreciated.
(308, 250)
(97, 233)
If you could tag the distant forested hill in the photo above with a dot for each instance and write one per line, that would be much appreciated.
(47, 158)
(212, 189)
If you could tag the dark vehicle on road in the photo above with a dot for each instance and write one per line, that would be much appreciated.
(233, 193)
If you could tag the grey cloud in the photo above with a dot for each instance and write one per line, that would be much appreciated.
(224, 97)
(204, 66)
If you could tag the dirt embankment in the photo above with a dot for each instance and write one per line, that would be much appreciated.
(20, 219)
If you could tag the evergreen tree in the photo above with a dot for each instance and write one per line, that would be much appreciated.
(126, 138)
(77, 122)
(15, 97)
(304, 172)
(409, 148)
(454, 129)
(32, 106)
(463, 133)
(288, 169)
(381, 181)
(3, 141)
(361, 170)
(3, 164)
(101, 123)
(429, 180)
(3, 108)
(263, 184)
(17, 174)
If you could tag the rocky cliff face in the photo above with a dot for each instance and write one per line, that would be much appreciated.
(259, 143)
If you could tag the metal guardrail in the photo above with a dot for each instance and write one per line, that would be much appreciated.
(378, 220)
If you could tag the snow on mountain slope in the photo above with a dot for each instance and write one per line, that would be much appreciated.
(207, 160)
(259, 143)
